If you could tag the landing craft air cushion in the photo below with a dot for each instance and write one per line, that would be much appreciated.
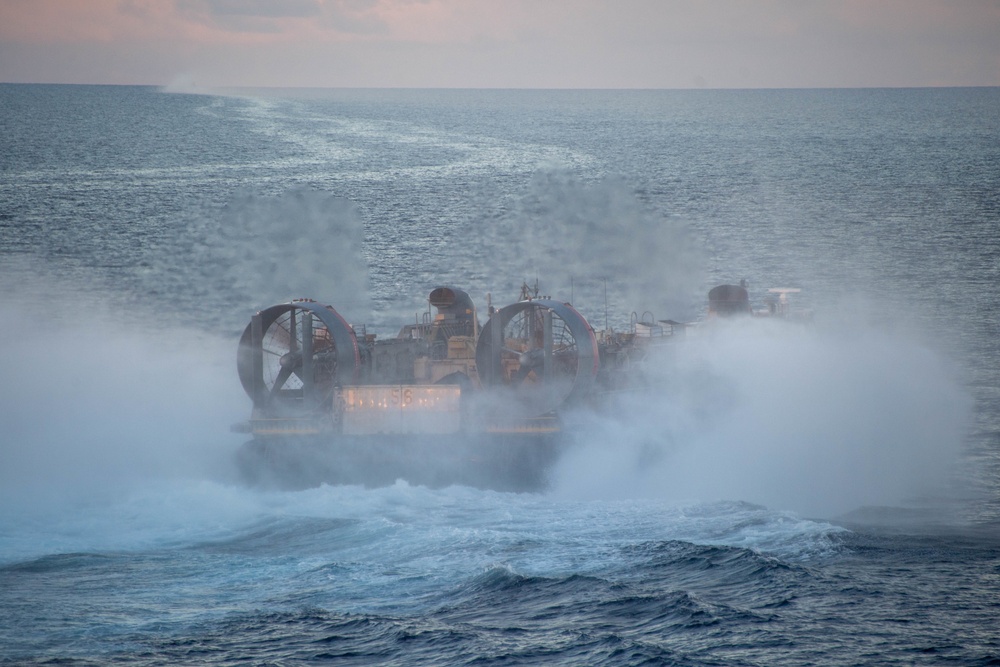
(444, 401)
(445, 396)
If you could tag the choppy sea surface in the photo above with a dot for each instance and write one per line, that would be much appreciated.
(825, 494)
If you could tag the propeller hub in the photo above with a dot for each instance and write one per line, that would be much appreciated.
(291, 360)
(531, 358)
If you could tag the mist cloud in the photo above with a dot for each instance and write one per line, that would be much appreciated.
(819, 421)
(579, 238)
(98, 404)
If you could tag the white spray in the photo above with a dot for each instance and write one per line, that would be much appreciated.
(819, 419)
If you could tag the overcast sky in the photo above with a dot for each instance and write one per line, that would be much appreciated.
(502, 43)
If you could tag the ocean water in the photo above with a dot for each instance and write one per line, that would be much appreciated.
(788, 495)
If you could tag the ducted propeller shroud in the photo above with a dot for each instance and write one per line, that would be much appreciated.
(295, 352)
(543, 352)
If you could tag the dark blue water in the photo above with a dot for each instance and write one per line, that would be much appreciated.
(818, 495)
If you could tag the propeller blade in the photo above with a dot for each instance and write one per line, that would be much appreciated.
(521, 375)
(283, 375)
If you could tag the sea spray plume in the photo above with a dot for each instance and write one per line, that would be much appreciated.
(817, 420)
(99, 404)
(185, 84)
(579, 238)
(257, 251)
(301, 243)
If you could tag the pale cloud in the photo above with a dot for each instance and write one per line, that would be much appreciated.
(513, 43)
(925, 17)
(262, 8)
(451, 22)
(295, 19)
